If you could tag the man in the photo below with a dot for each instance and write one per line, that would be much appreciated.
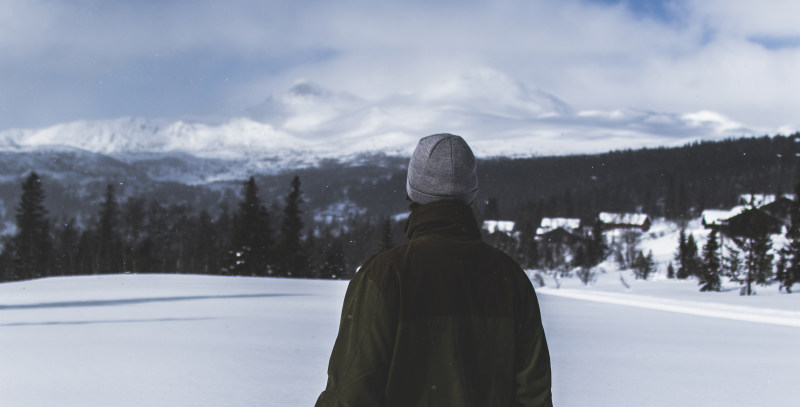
(445, 320)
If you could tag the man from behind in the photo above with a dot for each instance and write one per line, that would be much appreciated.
(444, 320)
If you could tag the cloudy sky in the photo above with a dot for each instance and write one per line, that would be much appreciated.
(63, 61)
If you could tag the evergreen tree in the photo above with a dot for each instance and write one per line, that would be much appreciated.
(681, 256)
(251, 243)
(333, 264)
(643, 265)
(791, 252)
(597, 245)
(109, 244)
(133, 218)
(780, 269)
(206, 250)
(292, 259)
(670, 271)
(757, 256)
(692, 259)
(711, 267)
(732, 262)
(67, 251)
(528, 252)
(32, 245)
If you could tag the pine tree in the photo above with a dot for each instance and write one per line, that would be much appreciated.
(205, 247)
(67, 251)
(643, 265)
(732, 262)
(109, 242)
(757, 256)
(670, 271)
(791, 252)
(681, 257)
(251, 243)
(597, 245)
(528, 249)
(32, 245)
(692, 259)
(711, 267)
(333, 264)
(650, 265)
(292, 260)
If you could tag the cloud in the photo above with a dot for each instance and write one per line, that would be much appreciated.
(92, 59)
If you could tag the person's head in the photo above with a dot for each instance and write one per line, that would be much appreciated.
(442, 167)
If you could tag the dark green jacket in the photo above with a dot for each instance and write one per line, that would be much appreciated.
(445, 320)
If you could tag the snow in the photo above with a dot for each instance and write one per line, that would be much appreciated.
(719, 216)
(622, 218)
(180, 340)
(550, 224)
(505, 226)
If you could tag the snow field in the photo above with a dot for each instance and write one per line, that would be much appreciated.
(165, 340)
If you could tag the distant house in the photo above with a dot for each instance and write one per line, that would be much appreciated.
(550, 224)
(502, 226)
(718, 218)
(760, 200)
(611, 221)
(780, 208)
(743, 223)
(562, 236)
(754, 209)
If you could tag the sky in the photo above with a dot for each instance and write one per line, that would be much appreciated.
(208, 60)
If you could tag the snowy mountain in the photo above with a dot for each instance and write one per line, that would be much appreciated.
(497, 114)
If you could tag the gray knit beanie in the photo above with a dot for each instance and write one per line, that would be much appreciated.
(442, 168)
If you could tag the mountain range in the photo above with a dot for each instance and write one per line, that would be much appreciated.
(498, 115)
(312, 127)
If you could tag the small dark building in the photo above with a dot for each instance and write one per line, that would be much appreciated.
(751, 220)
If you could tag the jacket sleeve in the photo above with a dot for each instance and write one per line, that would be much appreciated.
(363, 350)
(533, 377)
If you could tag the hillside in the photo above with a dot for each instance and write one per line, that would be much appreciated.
(672, 182)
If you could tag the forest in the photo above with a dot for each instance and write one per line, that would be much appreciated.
(323, 222)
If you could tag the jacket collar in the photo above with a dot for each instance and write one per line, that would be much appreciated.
(450, 218)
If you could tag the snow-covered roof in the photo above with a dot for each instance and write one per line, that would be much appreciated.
(550, 224)
(760, 200)
(505, 226)
(717, 216)
(566, 223)
(622, 218)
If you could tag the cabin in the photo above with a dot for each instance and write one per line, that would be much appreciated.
(561, 236)
(613, 221)
(752, 219)
(754, 210)
(550, 224)
(717, 218)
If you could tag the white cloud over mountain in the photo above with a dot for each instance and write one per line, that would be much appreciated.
(205, 60)
(497, 114)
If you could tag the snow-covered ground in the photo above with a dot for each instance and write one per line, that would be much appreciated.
(163, 340)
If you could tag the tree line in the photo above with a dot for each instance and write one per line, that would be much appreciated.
(147, 236)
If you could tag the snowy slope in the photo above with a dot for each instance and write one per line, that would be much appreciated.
(157, 340)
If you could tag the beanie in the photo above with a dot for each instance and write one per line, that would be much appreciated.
(442, 167)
